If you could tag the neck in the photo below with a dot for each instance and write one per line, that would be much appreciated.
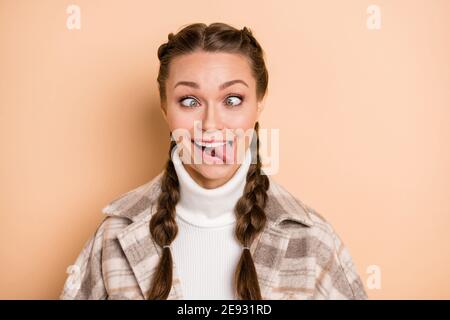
(209, 207)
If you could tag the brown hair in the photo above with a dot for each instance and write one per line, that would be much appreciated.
(249, 209)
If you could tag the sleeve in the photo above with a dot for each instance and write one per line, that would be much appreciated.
(349, 269)
(85, 279)
(339, 279)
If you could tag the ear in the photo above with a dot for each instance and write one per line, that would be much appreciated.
(260, 107)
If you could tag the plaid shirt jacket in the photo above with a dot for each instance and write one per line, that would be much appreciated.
(298, 255)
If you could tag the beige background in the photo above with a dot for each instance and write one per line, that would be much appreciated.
(363, 118)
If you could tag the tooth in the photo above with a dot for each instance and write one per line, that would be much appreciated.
(210, 145)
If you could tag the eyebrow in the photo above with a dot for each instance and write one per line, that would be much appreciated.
(221, 87)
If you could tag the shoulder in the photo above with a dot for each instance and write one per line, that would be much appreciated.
(123, 210)
(102, 251)
(85, 279)
(338, 277)
(291, 213)
(134, 204)
(312, 236)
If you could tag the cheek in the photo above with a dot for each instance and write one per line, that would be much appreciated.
(243, 118)
(178, 119)
(240, 121)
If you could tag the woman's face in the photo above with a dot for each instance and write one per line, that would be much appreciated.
(211, 96)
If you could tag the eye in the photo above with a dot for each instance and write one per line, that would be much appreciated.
(191, 102)
(234, 100)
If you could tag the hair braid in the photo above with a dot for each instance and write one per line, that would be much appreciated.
(251, 219)
(164, 229)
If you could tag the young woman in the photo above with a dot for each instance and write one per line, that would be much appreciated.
(219, 228)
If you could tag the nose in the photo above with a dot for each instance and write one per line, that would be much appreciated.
(211, 119)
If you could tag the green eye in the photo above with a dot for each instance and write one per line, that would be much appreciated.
(233, 100)
(191, 102)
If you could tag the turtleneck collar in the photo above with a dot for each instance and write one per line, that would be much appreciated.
(209, 207)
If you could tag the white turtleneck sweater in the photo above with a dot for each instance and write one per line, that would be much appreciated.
(205, 251)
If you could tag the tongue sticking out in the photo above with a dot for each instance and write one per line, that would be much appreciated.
(225, 153)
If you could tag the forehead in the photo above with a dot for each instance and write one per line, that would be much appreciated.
(209, 68)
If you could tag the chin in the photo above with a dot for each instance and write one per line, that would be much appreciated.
(214, 171)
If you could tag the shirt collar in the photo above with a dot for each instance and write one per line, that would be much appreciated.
(142, 201)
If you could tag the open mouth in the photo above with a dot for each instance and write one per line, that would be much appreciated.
(221, 150)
